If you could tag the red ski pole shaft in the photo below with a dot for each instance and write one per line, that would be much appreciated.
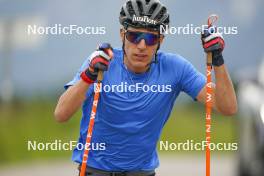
(92, 117)
(208, 104)
(91, 123)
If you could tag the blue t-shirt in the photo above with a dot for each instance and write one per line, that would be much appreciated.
(130, 118)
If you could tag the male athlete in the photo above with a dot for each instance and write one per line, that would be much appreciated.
(140, 86)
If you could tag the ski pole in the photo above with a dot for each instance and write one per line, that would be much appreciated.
(208, 104)
(92, 117)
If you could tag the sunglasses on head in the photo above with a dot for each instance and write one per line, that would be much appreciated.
(136, 37)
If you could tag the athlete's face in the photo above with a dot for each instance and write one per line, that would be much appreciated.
(140, 47)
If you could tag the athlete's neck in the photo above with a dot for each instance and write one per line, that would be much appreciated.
(137, 70)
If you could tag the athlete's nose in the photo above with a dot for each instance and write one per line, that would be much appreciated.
(142, 44)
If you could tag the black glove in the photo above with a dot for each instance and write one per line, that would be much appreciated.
(99, 60)
(213, 42)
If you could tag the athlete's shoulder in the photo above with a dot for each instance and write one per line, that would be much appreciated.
(171, 59)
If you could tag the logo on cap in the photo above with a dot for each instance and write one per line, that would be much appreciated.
(144, 19)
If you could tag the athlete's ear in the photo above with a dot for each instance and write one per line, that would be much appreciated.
(122, 34)
(161, 38)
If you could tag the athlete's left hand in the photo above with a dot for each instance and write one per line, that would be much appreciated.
(213, 41)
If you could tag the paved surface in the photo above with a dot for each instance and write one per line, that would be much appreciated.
(195, 166)
(170, 166)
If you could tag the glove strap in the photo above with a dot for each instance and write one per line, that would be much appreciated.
(86, 79)
(218, 59)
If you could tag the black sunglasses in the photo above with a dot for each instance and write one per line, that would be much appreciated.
(136, 37)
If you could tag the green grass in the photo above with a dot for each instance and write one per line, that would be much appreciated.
(188, 123)
(32, 121)
(20, 122)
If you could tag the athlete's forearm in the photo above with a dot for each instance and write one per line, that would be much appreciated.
(70, 101)
(225, 97)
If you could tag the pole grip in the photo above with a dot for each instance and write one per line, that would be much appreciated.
(209, 58)
(100, 76)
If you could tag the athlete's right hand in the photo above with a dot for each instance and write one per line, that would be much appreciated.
(99, 60)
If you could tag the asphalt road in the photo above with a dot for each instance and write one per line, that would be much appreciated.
(170, 166)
